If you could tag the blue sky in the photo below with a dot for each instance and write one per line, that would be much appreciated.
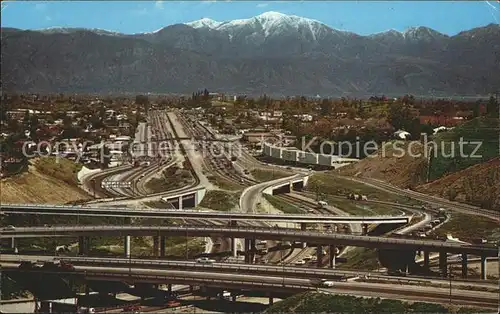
(362, 17)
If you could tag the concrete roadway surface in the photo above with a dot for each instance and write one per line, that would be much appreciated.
(430, 199)
(193, 156)
(302, 272)
(396, 291)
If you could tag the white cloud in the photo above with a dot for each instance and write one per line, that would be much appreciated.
(159, 5)
(262, 5)
(48, 18)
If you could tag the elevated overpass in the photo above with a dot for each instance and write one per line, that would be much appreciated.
(196, 214)
(229, 280)
(296, 183)
(254, 233)
(238, 267)
(405, 248)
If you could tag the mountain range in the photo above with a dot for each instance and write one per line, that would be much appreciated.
(272, 53)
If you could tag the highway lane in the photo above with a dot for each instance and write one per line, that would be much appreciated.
(297, 271)
(432, 200)
(254, 232)
(265, 282)
(197, 214)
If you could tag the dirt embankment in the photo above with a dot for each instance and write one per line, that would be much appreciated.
(36, 186)
(401, 163)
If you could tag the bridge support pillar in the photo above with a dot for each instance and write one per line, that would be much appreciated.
(169, 288)
(319, 256)
(364, 229)
(163, 242)
(180, 202)
(12, 243)
(126, 246)
(252, 251)
(271, 300)
(303, 227)
(247, 251)
(426, 259)
(332, 252)
(234, 247)
(464, 265)
(233, 298)
(484, 269)
(83, 245)
(443, 263)
(156, 246)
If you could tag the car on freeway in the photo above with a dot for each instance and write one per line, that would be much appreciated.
(307, 257)
(314, 258)
(300, 262)
(322, 204)
(173, 303)
(326, 283)
(205, 260)
(133, 308)
(66, 265)
(9, 227)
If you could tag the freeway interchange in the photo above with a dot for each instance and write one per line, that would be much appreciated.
(242, 228)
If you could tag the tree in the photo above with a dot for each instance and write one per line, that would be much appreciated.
(141, 99)
(452, 193)
(325, 107)
(476, 109)
(492, 107)
(400, 116)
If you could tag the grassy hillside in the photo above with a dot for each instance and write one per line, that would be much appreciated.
(220, 200)
(45, 182)
(313, 302)
(477, 185)
(391, 165)
(484, 129)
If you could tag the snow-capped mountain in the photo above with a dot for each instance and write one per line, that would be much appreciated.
(271, 53)
(423, 34)
(69, 30)
(204, 23)
(266, 24)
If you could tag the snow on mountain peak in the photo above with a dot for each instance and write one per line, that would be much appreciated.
(422, 33)
(204, 23)
(269, 22)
